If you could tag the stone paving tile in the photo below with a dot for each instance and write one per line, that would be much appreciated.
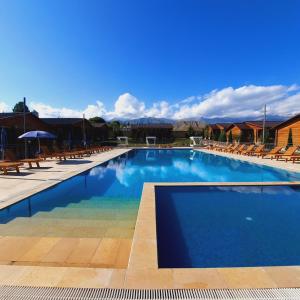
(284, 276)
(246, 278)
(197, 279)
(39, 250)
(61, 250)
(86, 277)
(106, 253)
(12, 248)
(123, 253)
(84, 251)
(139, 279)
(40, 276)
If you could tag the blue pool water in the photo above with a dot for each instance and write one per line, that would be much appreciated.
(112, 191)
(239, 226)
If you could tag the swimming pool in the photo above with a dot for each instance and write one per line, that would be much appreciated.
(104, 200)
(236, 226)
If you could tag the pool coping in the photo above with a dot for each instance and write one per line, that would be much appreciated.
(143, 263)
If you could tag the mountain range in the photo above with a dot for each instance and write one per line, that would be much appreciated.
(151, 120)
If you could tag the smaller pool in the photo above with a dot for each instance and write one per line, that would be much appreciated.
(238, 226)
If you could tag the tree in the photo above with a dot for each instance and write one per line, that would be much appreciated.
(230, 138)
(222, 136)
(216, 136)
(290, 138)
(190, 131)
(97, 120)
(19, 107)
(115, 126)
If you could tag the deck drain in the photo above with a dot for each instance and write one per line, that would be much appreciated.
(22, 292)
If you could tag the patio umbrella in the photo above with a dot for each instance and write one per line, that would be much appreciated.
(37, 134)
(3, 140)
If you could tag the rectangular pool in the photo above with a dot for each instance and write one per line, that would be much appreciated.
(237, 226)
(103, 202)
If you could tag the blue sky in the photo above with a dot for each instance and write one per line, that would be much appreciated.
(150, 58)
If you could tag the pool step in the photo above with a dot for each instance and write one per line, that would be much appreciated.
(67, 228)
(113, 204)
(90, 213)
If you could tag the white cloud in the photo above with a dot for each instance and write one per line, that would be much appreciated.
(48, 111)
(3, 107)
(128, 106)
(245, 102)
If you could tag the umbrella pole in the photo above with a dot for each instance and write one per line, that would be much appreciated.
(39, 145)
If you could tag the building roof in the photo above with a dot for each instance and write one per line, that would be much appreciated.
(13, 114)
(268, 124)
(241, 126)
(62, 121)
(223, 125)
(213, 126)
(290, 120)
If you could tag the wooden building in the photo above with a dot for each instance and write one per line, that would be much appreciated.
(13, 123)
(214, 130)
(162, 132)
(241, 132)
(257, 127)
(283, 129)
(182, 129)
(71, 132)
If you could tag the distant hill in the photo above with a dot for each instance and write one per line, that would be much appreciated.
(184, 125)
(145, 121)
(237, 120)
(195, 122)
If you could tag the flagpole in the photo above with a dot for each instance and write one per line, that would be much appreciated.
(264, 122)
(24, 126)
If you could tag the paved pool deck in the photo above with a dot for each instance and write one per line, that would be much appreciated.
(142, 271)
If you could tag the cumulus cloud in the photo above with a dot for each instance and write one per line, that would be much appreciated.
(48, 111)
(244, 102)
(3, 107)
(128, 106)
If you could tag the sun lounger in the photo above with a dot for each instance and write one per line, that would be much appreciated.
(5, 166)
(223, 148)
(239, 149)
(288, 153)
(257, 152)
(247, 150)
(12, 158)
(271, 153)
(232, 149)
(293, 158)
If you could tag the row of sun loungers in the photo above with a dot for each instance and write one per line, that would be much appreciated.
(259, 151)
(12, 163)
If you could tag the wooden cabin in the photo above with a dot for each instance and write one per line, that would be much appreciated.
(182, 128)
(70, 132)
(213, 131)
(13, 123)
(257, 127)
(283, 129)
(162, 132)
(241, 132)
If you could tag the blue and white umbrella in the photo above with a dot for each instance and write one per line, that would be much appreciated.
(3, 141)
(37, 134)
